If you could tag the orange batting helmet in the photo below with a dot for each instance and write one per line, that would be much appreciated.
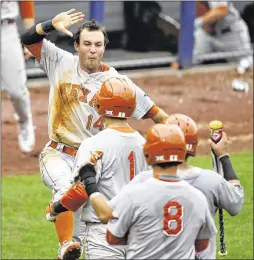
(116, 98)
(164, 143)
(189, 129)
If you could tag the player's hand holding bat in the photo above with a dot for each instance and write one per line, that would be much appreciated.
(220, 148)
(65, 20)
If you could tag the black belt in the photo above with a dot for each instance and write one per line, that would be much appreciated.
(7, 21)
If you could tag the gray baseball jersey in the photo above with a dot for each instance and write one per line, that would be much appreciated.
(231, 34)
(162, 219)
(122, 158)
(219, 193)
(231, 17)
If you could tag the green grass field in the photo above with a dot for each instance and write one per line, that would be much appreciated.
(27, 235)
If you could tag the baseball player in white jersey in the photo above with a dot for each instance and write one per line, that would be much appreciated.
(163, 217)
(229, 32)
(13, 72)
(121, 151)
(74, 81)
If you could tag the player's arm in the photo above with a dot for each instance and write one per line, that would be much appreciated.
(207, 230)
(34, 36)
(230, 192)
(218, 10)
(156, 114)
(122, 218)
(85, 183)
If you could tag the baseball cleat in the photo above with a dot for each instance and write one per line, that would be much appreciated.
(26, 137)
(69, 251)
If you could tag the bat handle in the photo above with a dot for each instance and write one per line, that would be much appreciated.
(216, 128)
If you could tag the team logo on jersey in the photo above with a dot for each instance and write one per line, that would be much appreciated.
(173, 158)
(121, 114)
(109, 112)
(159, 158)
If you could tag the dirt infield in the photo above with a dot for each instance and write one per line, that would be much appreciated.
(204, 97)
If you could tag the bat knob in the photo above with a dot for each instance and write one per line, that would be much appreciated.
(222, 253)
(216, 128)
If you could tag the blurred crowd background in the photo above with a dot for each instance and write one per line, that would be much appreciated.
(131, 26)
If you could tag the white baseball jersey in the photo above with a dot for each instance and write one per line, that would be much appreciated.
(122, 158)
(219, 193)
(163, 219)
(9, 10)
(72, 116)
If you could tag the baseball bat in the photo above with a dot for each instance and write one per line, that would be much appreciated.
(216, 128)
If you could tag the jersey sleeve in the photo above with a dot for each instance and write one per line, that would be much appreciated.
(143, 103)
(121, 219)
(230, 197)
(208, 228)
(51, 57)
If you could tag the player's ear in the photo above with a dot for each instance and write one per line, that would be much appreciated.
(76, 46)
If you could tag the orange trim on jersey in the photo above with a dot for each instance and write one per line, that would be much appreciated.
(105, 67)
(26, 9)
(112, 240)
(153, 111)
(123, 129)
(35, 49)
(222, 8)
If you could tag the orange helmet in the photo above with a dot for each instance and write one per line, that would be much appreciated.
(164, 143)
(116, 98)
(189, 129)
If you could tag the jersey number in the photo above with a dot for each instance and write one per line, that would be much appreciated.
(98, 123)
(175, 218)
(132, 165)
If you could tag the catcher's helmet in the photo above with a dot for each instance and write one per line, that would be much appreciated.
(164, 143)
(116, 98)
(189, 129)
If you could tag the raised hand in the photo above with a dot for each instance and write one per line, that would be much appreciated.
(65, 20)
(221, 148)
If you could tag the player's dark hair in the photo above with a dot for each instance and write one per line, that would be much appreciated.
(91, 25)
(167, 164)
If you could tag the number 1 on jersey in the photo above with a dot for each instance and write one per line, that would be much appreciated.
(132, 165)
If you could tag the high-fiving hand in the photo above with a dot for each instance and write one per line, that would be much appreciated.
(63, 21)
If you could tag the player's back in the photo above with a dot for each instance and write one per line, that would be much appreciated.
(167, 219)
(122, 158)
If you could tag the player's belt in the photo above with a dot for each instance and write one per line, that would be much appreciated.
(7, 21)
(65, 149)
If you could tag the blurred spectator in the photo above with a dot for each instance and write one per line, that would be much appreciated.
(220, 28)
(248, 17)
(13, 72)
